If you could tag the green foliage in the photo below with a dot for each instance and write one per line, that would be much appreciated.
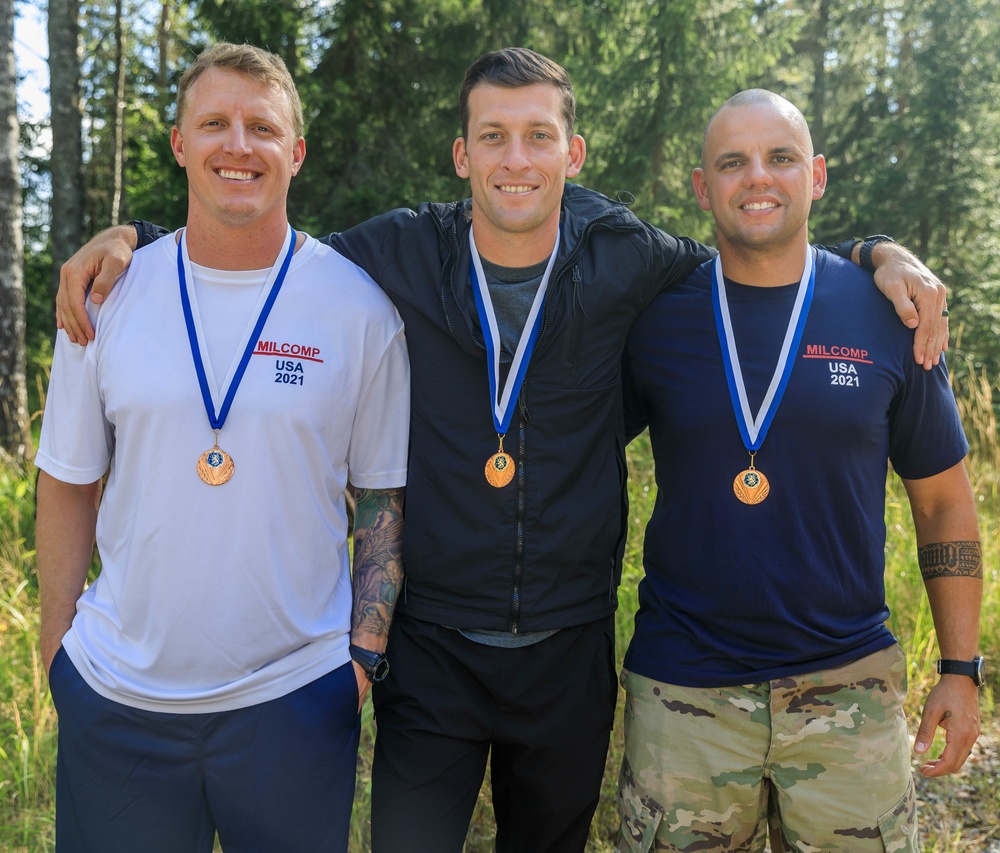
(27, 719)
(656, 75)
(902, 96)
(154, 186)
(271, 24)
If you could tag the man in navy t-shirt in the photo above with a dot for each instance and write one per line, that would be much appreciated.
(776, 384)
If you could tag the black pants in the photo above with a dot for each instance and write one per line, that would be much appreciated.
(543, 713)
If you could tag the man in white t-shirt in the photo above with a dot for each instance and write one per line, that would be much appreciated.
(204, 681)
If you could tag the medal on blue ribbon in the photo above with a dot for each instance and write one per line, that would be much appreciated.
(500, 466)
(750, 485)
(215, 466)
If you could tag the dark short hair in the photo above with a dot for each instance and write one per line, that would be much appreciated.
(513, 67)
(259, 65)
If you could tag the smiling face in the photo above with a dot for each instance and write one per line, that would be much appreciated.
(517, 155)
(759, 178)
(239, 148)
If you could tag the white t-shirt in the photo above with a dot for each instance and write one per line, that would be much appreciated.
(212, 598)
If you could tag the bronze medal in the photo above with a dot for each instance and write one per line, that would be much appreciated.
(750, 486)
(215, 466)
(499, 468)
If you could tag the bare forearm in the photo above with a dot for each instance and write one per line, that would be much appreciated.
(944, 516)
(950, 558)
(953, 575)
(64, 543)
(378, 564)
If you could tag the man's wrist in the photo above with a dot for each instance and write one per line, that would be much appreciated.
(868, 247)
(847, 248)
(974, 668)
(374, 664)
(143, 233)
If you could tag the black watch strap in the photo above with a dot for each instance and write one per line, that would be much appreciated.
(146, 232)
(846, 247)
(972, 668)
(867, 245)
(375, 664)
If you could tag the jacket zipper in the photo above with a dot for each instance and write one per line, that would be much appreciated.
(515, 610)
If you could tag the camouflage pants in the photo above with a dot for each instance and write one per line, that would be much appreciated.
(821, 759)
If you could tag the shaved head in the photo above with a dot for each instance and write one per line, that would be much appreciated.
(749, 97)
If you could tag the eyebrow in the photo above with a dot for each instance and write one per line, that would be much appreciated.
(729, 155)
(547, 122)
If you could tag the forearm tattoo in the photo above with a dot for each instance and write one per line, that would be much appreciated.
(378, 559)
(951, 560)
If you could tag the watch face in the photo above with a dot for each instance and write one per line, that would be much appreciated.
(379, 671)
(979, 675)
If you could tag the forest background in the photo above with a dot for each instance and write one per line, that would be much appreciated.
(903, 98)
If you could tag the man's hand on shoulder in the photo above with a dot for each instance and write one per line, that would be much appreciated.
(918, 296)
(98, 263)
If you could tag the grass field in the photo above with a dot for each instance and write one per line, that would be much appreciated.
(959, 813)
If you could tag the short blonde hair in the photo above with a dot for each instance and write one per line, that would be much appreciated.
(259, 65)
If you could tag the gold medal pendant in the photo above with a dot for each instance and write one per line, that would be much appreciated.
(751, 486)
(215, 466)
(499, 468)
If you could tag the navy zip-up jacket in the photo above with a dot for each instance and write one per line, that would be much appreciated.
(544, 551)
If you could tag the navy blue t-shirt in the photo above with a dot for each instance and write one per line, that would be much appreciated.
(736, 593)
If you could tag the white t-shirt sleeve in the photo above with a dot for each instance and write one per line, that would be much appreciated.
(76, 439)
(377, 455)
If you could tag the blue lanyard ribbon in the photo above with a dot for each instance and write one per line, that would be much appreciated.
(754, 429)
(503, 408)
(217, 420)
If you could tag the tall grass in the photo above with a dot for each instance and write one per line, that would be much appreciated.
(27, 718)
(28, 723)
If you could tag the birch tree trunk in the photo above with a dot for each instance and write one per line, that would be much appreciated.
(14, 435)
(118, 117)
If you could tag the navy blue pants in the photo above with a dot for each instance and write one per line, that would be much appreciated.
(540, 715)
(278, 776)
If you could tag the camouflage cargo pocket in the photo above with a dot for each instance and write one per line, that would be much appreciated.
(640, 814)
(898, 826)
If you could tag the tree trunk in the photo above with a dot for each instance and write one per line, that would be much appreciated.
(14, 435)
(67, 132)
(163, 45)
(118, 116)
(818, 99)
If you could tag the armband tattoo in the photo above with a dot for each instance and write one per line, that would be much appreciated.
(951, 560)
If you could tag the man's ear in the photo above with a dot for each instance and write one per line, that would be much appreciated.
(177, 145)
(577, 155)
(701, 188)
(298, 155)
(819, 176)
(460, 155)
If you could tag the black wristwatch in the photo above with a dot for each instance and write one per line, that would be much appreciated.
(972, 668)
(869, 243)
(375, 664)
